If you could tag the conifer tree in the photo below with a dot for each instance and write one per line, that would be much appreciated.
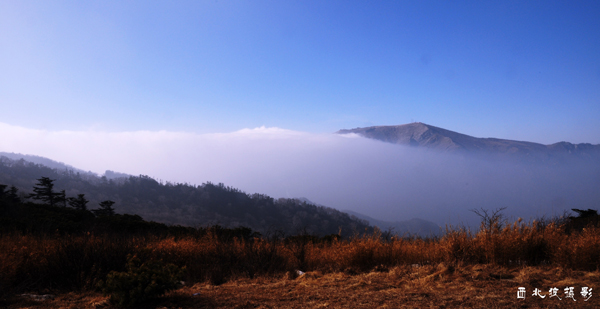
(105, 209)
(61, 198)
(2, 192)
(44, 191)
(12, 194)
(79, 202)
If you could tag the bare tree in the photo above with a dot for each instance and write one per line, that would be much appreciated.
(490, 221)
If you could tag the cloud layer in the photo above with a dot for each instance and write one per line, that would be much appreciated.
(386, 181)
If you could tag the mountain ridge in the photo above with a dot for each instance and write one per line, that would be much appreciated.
(182, 204)
(418, 134)
(59, 165)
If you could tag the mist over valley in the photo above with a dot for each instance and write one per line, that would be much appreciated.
(394, 173)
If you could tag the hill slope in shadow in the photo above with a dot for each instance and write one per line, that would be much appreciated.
(184, 204)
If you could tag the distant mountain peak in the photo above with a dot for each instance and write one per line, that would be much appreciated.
(418, 134)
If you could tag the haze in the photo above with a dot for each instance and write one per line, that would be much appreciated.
(385, 181)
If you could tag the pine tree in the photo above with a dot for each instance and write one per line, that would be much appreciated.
(105, 209)
(2, 192)
(12, 194)
(61, 198)
(43, 191)
(79, 202)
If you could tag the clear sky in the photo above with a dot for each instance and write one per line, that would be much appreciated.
(525, 70)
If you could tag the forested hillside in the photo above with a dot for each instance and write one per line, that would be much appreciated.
(185, 204)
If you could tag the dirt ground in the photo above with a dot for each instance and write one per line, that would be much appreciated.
(429, 286)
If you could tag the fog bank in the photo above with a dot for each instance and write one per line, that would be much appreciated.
(384, 181)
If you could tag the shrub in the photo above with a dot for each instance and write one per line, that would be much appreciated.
(141, 282)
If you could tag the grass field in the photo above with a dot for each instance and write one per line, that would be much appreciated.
(460, 269)
(430, 286)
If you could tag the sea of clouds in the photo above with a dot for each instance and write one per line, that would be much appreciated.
(385, 181)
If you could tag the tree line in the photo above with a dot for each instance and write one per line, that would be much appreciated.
(44, 191)
(183, 204)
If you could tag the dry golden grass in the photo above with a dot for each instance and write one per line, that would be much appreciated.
(431, 286)
(460, 269)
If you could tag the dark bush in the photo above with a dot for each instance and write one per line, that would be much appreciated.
(141, 282)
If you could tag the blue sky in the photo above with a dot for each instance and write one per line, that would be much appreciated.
(525, 70)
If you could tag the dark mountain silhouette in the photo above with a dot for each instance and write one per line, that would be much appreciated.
(419, 134)
(184, 204)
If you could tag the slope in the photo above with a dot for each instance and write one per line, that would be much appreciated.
(184, 204)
